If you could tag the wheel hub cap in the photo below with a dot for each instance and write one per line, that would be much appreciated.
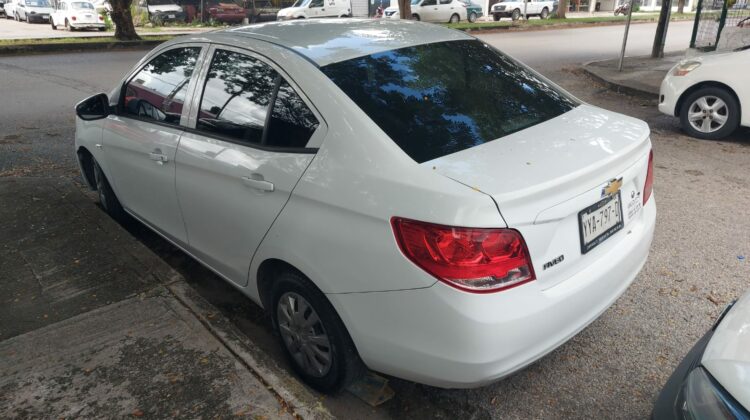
(708, 114)
(304, 335)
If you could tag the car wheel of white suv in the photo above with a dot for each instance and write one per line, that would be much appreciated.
(710, 113)
(107, 197)
(314, 339)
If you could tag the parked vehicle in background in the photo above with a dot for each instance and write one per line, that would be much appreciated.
(452, 11)
(2, 8)
(622, 9)
(33, 10)
(102, 6)
(76, 15)
(713, 380)
(514, 9)
(229, 12)
(473, 10)
(461, 237)
(710, 93)
(10, 8)
(161, 10)
(305, 9)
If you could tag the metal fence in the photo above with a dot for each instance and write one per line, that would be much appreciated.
(721, 24)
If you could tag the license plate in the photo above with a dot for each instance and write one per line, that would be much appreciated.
(45, 17)
(600, 221)
(88, 16)
(171, 16)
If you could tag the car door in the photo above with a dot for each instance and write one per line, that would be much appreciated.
(316, 8)
(21, 9)
(237, 167)
(428, 11)
(141, 138)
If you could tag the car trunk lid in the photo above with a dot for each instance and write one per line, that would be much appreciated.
(542, 177)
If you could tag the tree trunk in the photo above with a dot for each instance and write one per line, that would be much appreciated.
(123, 20)
(680, 6)
(562, 8)
(404, 9)
(657, 51)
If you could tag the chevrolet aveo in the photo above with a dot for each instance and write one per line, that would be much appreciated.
(399, 196)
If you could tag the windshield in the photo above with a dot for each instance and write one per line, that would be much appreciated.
(37, 3)
(301, 3)
(436, 99)
(413, 2)
(81, 5)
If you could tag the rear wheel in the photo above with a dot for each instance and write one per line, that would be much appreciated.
(544, 14)
(454, 18)
(472, 17)
(107, 197)
(516, 14)
(710, 113)
(52, 23)
(415, 17)
(313, 337)
(496, 17)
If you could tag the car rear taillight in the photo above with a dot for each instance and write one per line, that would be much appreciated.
(73, 18)
(648, 186)
(101, 17)
(476, 260)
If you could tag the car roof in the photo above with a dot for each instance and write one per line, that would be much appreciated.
(326, 41)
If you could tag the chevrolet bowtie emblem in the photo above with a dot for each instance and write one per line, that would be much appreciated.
(613, 186)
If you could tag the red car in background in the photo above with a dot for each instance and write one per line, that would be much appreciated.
(225, 12)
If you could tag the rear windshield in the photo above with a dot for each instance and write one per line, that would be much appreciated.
(441, 98)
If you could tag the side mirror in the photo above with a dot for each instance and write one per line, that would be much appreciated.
(93, 108)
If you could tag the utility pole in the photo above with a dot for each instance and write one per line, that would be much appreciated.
(525, 3)
(657, 51)
(625, 37)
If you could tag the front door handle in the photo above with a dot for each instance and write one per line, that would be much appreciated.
(258, 184)
(158, 158)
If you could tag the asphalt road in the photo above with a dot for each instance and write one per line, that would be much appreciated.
(615, 367)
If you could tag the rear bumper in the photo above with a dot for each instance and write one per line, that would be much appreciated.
(444, 337)
(86, 25)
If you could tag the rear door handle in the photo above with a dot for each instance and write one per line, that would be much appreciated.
(258, 184)
(158, 158)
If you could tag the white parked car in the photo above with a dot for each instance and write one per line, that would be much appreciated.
(10, 8)
(305, 9)
(713, 380)
(76, 15)
(33, 10)
(161, 10)
(354, 178)
(452, 11)
(709, 93)
(514, 9)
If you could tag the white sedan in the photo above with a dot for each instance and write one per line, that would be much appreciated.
(382, 207)
(76, 15)
(713, 380)
(709, 93)
(452, 11)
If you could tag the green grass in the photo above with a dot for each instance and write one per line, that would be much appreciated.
(535, 22)
(76, 40)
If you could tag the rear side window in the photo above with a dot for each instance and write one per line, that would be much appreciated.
(237, 97)
(157, 92)
(437, 99)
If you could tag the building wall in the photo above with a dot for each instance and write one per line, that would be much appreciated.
(360, 8)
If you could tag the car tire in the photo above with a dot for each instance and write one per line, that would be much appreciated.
(710, 113)
(472, 17)
(329, 363)
(52, 23)
(496, 17)
(454, 18)
(415, 17)
(544, 14)
(102, 29)
(516, 15)
(107, 198)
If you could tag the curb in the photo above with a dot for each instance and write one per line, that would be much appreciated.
(562, 25)
(614, 86)
(76, 46)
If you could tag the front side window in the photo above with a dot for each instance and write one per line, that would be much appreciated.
(436, 99)
(157, 92)
(316, 3)
(237, 96)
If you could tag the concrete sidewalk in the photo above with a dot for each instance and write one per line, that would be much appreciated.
(640, 75)
(94, 325)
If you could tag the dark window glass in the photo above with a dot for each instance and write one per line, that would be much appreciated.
(316, 3)
(429, 2)
(292, 123)
(236, 97)
(441, 98)
(157, 92)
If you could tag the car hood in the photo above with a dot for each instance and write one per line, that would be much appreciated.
(288, 11)
(727, 356)
(164, 8)
(39, 9)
